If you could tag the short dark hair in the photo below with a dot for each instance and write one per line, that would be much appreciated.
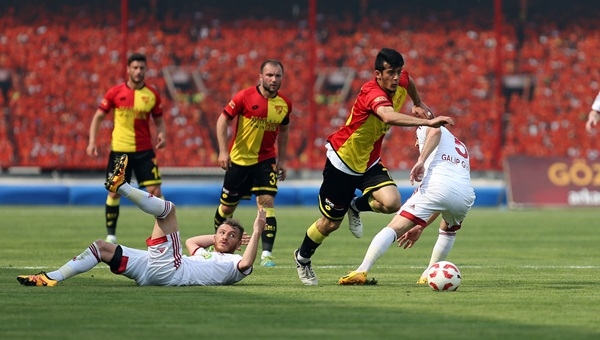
(136, 57)
(390, 56)
(272, 62)
(234, 224)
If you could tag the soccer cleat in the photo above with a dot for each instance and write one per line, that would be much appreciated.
(117, 178)
(354, 223)
(39, 279)
(422, 280)
(305, 272)
(353, 278)
(267, 261)
(111, 239)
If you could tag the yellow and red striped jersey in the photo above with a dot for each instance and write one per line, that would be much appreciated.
(132, 110)
(358, 142)
(258, 124)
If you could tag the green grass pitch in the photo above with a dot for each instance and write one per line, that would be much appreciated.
(526, 274)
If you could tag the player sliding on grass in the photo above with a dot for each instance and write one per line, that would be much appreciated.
(163, 263)
(444, 172)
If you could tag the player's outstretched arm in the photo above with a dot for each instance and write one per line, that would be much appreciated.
(441, 121)
(252, 247)
(390, 116)
(412, 236)
(409, 238)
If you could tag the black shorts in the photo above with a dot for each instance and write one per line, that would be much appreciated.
(241, 182)
(338, 188)
(142, 164)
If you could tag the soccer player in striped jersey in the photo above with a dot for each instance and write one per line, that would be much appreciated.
(254, 159)
(134, 103)
(353, 157)
(443, 171)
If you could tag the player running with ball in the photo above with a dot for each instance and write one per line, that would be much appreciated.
(444, 172)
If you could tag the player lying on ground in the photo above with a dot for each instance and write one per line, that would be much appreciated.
(163, 263)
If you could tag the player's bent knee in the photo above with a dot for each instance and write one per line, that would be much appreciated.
(154, 191)
(390, 208)
(105, 247)
(330, 226)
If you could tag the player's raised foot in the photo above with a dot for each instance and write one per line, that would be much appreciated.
(267, 261)
(39, 279)
(354, 223)
(117, 178)
(353, 278)
(422, 280)
(305, 272)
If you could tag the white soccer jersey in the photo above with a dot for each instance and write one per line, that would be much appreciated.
(446, 185)
(210, 269)
(164, 265)
(596, 104)
(448, 163)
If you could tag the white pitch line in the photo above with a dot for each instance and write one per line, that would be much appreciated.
(375, 267)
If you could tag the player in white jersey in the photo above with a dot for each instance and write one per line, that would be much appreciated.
(594, 115)
(164, 264)
(444, 172)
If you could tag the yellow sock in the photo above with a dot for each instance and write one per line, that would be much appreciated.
(314, 234)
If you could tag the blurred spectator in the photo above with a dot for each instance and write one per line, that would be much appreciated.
(68, 52)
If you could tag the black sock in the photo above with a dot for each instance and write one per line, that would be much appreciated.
(308, 247)
(112, 215)
(269, 233)
(219, 219)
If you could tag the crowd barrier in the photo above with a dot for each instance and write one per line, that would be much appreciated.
(194, 195)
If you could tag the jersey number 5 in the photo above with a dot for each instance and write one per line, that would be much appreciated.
(461, 149)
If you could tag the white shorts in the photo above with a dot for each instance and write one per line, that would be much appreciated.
(154, 267)
(452, 203)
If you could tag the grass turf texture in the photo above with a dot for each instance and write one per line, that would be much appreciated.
(526, 274)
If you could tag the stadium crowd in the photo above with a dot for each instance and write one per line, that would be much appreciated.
(63, 55)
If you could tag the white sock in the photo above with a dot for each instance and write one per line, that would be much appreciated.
(301, 259)
(150, 204)
(125, 189)
(379, 245)
(442, 248)
(80, 264)
(265, 253)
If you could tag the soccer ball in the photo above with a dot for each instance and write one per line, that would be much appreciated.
(443, 276)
